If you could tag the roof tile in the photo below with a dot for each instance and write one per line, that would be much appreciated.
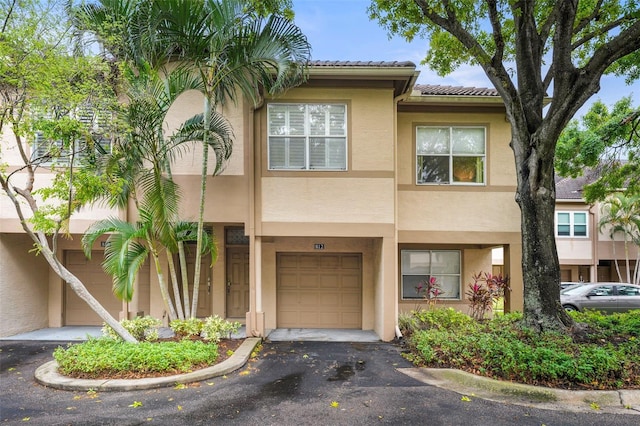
(437, 90)
(380, 64)
(568, 188)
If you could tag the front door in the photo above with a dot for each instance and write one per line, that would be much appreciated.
(237, 282)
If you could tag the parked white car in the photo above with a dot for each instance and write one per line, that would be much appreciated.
(604, 297)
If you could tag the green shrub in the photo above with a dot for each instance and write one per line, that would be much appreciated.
(627, 323)
(97, 357)
(141, 328)
(187, 327)
(444, 318)
(501, 348)
(216, 328)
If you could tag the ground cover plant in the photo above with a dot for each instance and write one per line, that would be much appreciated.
(604, 355)
(97, 358)
(195, 344)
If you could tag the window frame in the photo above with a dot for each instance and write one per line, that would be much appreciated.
(572, 223)
(94, 119)
(438, 276)
(307, 136)
(451, 155)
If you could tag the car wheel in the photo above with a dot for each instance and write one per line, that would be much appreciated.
(569, 308)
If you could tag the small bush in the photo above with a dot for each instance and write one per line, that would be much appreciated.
(447, 319)
(430, 290)
(484, 291)
(216, 328)
(141, 328)
(97, 357)
(187, 327)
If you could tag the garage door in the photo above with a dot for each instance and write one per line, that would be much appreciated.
(99, 284)
(319, 290)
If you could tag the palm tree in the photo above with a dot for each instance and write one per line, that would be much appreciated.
(143, 162)
(621, 215)
(233, 48)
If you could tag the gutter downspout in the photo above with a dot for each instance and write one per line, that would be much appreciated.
(594, 243)
(406, 93)
(255, 260)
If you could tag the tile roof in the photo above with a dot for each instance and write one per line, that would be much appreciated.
(568, 188)
(437, 90)
(379, 64)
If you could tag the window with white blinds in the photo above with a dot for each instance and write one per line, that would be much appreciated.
(307, 136)
(47, 152)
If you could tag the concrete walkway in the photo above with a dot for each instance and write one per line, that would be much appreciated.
(54, 334)
(81, 333)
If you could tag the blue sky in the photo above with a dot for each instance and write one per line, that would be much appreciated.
(341, 30)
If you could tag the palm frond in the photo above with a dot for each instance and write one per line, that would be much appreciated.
(123, 265)
(105, 226)
(220, 136)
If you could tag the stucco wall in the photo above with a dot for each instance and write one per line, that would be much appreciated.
(486, 208)
(23, 286)
(370, 122)
(317, 199)
(364, 193)
(191, 103)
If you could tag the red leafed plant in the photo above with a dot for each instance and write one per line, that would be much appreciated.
(429, 289)
(484, 291)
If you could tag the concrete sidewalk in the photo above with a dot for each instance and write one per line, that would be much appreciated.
(81, 333)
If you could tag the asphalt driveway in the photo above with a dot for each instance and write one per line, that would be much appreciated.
(290, 383)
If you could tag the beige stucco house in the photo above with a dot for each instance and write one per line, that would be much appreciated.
(340, 196)
(586, 252)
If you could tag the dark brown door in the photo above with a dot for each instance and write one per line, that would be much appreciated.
(237, 282)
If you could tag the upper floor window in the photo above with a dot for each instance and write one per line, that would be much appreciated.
(307, 136)
(420, 265)
(450, 155)
(45, 151)
(571, 224)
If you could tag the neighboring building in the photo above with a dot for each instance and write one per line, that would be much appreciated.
(340, 196)
(585, 253)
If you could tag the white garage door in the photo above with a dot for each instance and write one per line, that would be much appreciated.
(99, 284)
(319, 290)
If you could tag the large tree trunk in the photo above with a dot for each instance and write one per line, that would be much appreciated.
(43, 245)
(78, 287)
(540, 264)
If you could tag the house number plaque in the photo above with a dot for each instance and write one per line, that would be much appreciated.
(318, 246)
